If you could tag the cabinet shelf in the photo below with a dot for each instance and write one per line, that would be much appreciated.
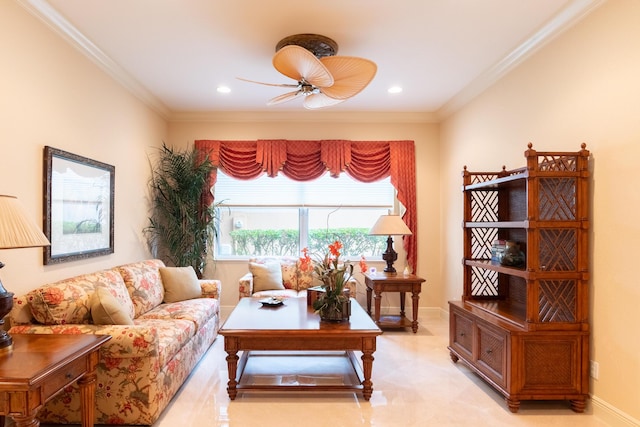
(497, 224)
(513, 314)
(495, 266)
(493, 184)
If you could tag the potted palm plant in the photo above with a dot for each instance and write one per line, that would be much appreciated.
(180, 230)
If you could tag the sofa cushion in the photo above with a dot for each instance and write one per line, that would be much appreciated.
(288, 265)
(144, 284)
(198, 310)
(119, 291)
(106, 309)
(266, 276)
(68, 301)
(169, 335)
(180, 283)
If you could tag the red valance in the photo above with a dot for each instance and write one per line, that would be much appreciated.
(366, 161)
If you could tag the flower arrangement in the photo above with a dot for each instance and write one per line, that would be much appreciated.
(334, 274)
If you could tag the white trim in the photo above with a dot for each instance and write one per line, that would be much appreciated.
(570, 15)
(304, 117)
(42, 9)
(612, 415)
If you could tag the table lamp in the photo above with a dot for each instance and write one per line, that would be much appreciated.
(389, 225)
(17, 230)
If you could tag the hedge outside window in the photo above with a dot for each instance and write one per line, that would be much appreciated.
(278, 216)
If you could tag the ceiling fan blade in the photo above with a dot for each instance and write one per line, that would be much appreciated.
(319, 100)
(268, 84)
(351, 75)
(299, 64)
(284, 97)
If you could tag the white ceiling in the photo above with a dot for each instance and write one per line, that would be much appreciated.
(174, 53)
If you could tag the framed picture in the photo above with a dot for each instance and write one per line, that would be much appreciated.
(78, 206)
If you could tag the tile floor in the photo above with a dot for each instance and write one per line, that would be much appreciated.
(415, 384)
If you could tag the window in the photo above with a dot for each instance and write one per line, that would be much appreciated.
(279, 216)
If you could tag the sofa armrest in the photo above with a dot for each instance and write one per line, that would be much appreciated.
(211, 288)
(21, 312)
(245, 285)
(126, 341)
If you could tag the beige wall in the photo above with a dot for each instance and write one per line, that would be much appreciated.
(582, 87)
(425, 135)
(50, 94)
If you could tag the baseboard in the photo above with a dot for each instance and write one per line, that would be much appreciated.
(612, 415)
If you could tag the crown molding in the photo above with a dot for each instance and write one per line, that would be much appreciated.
(304, 117)
(42, 10)
(569, 16)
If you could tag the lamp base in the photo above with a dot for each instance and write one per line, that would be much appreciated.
(6, 304)
(390, 256)
(6, 343)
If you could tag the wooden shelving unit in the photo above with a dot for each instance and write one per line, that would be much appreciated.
(525, 329)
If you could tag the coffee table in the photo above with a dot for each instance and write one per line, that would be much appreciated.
(294, 328)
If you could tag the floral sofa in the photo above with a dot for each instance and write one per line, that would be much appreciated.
(280, 277)
(155, 343)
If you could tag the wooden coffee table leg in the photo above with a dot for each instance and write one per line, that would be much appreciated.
(369, 346)
(231, 347)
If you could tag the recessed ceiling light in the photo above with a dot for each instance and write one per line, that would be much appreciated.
(395, 89)
(223, 89)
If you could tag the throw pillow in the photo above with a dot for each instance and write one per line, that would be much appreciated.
(266, 277)
(180, 283)
(107, 310)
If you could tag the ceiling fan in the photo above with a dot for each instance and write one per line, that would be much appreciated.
(323, 78)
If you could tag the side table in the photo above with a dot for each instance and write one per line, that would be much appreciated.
(377, 283)
(39, 366)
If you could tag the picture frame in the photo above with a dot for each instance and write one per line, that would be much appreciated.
(79, 195)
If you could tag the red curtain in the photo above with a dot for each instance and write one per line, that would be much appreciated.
(366, 161)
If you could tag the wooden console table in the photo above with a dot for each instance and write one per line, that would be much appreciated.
(39, 366)
(377, 283)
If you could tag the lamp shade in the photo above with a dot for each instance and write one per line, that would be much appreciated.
(17, 229)
(389, 225)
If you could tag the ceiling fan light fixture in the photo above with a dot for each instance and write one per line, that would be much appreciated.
(320, 46)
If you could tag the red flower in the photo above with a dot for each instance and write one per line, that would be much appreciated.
(335, 248)
(363, 265)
